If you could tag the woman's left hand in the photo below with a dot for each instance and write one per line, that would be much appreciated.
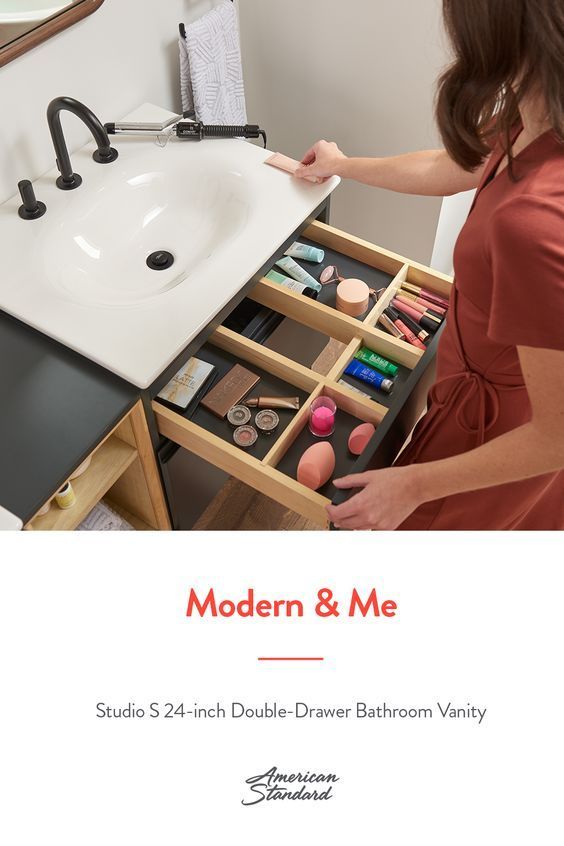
(387, 497)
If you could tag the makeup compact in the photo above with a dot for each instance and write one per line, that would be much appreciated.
(230, 390)
(353, 297)
(267, 421)
(245, 436)
(238, 415)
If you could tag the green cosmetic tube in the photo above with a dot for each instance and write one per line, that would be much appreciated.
(374, 360)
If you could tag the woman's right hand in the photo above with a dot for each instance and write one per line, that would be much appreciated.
(321, 161)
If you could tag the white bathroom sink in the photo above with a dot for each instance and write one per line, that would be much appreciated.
(8, 522)
(98, 255)
(80, 272)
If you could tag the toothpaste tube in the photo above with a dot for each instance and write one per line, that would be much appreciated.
(371, 377)
(374, 360)
(356, 390)
(289, 266)
(303, 251)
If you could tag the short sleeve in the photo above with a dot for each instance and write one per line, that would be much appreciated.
(526, 242)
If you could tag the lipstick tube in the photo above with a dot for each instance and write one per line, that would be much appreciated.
(393, 315)
(419, 302)
(417, 330)
(427, 320)
(428, 295)
(390, 327)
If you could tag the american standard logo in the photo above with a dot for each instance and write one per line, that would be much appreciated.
(273, 785)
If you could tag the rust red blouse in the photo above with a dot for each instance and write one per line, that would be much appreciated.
(508, 292)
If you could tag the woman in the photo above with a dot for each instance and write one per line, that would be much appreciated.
(489, 453)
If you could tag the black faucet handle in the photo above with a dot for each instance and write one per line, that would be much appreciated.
(105, 155)
(31, 207)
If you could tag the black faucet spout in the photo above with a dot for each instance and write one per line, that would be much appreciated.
(104, 153)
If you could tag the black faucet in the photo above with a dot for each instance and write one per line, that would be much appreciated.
(31, 208)
(104, 154)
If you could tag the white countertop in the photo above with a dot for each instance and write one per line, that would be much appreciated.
(138, 338)
(8, 522)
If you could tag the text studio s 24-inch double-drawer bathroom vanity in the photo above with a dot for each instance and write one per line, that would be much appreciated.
(131, 459)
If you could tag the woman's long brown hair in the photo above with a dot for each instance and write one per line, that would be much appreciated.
(504, 51)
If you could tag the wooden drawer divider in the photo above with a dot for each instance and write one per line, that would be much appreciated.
(263, 475)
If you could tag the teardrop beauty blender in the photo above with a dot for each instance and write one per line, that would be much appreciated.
(316, 465)
(359, 438)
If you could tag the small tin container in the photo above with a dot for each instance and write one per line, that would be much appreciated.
(65, 498)
(245, 436)
(239, 415)
(267, 421)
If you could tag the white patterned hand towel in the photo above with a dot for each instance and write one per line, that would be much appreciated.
(211, 74)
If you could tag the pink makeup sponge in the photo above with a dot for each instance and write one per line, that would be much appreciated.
(316, 465)
(359, 437)
(353, 296)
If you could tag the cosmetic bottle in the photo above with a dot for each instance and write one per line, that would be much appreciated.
(377, 361)
(417, 330)
(65, 498)
(294, 270)
(390, 327)
(428, 295)
(303, 251)
(370, 376)
(356, 390)
(409, 336)
(291, 284)
(420, 303)
(428, 321)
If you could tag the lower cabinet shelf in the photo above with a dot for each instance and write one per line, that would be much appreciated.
(109, 462)
(122, 470)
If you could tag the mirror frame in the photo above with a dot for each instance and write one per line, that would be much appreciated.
(44, 31)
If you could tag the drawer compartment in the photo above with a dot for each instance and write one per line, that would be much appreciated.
(270, 465)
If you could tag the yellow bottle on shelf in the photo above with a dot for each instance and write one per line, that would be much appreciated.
(66, 497)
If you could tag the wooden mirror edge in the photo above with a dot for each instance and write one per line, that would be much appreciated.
(45, 31)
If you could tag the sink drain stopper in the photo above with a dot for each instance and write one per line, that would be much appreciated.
(160, 260)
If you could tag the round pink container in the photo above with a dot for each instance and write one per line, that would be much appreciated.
(322, 417)
(353, 296)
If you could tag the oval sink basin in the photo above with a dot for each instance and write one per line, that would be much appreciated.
(80, 272)
(98, 255)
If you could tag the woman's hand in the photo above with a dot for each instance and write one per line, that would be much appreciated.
(321, 161)
(387, 497)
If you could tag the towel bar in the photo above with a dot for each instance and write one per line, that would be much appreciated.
(182, 29)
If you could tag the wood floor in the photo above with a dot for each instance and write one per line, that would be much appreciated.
(238, 508)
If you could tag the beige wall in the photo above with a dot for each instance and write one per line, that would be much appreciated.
(359, 72)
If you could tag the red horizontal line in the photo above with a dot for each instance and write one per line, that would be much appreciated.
(291, 659)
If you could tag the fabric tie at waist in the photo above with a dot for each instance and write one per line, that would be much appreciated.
(460, 390)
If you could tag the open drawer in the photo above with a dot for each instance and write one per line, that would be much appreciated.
(270, 466)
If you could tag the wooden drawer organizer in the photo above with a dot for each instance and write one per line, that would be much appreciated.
(274, 473)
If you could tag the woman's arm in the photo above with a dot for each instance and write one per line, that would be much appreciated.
(389, 496)
(429, 172)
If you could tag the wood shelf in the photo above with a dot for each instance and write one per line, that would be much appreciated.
(138, 524)
(109, 462)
